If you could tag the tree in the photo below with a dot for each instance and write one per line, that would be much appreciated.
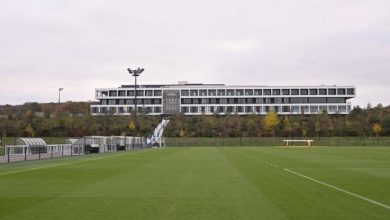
(287, 126)
(181, 132)
(30, 131)
(376, 128)
(270, 121)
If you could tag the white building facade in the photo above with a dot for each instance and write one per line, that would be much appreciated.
(209, 99)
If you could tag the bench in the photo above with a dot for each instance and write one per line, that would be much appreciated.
(304, 141)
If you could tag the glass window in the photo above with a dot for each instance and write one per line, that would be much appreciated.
(221, 92)
(294, 92)
(248, 109)
(157, 93)
(322, 92)
(341, 91)
(122, 93)
(157, 109)
(130, 92)
(314, 109)
(285, 91)
(148, 93)
(351, 91)
(267, 92)
(248, 91)
(276, 92)
(113, 93)
(212, 92)
(304, 92)
(184, 109)
(193, 92)
(194, 109)
(258, 92)
(313, 91)
(239, 92)
(185, 92)
(203, 92)
(140, 92)
(230, 92)
(332, 91)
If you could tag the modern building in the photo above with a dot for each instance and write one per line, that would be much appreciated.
(196, 99)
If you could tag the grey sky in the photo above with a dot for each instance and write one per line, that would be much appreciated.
(82, 45)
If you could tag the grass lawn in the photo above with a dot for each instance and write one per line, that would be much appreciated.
(202, 183)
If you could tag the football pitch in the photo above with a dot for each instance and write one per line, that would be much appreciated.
(202, 183)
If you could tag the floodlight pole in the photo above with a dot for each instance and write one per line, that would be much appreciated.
(135, 73)
(59, 95)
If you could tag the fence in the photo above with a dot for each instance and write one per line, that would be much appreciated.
(22, 152)
(12, 153)
(277, 141)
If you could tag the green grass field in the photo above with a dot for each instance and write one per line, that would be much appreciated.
(203, 183)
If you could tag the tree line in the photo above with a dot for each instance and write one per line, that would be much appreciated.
(73, 119)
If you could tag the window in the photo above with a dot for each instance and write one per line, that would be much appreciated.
(184, 109)
(258, 92)
(240, 109)
(157, 101)
(194, 109)
(221, 109)
(205, 101)
(332, 108)
(185, 92)
(95, 110)
(147, 101)
(294, 92)
(221, 92)
(304, 92)
(203, 92)
(248, 91)
(341, 91)
(342, 108)
(317, 100)
(276, 92)
(314, 109)
(351, 91)
(230, 92)
(122, 93)
(267, 92)
(248, 109)
(286, 109)
(332, 91)
(140, 92)
(193, 92)
(148, 93)
(313, 91)
(113, 93)
(298, 100)
(112, 102)
(130, 101)
(157, 93)
(285, 91)
(322, 91)
(212, 92)
(239, 92)
(157, 109)
(241, 101)
(130, 92)
(223, 101)
(195, 101)
(336, 100)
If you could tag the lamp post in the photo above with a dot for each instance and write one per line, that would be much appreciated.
(59, 95)
(58, 107)
(135, 73)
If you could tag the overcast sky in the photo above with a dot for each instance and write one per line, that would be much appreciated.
(88, 44)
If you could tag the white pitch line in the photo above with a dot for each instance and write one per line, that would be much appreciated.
(62, 164)
(341, 190)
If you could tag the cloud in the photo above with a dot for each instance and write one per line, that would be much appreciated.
(86, 45)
